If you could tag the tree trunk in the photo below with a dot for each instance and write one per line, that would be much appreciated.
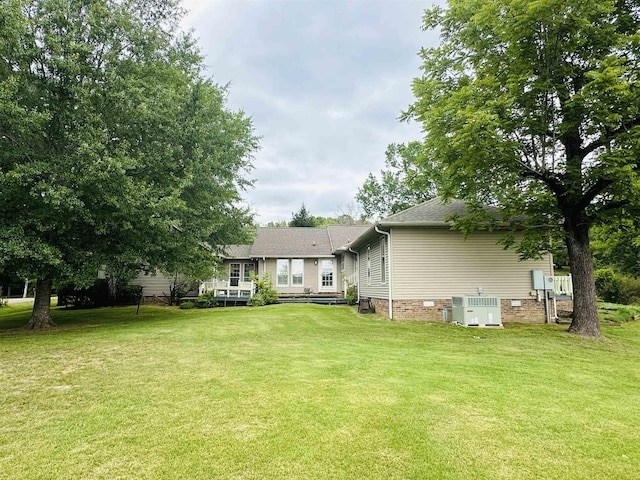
(41, 314)
(585, 311)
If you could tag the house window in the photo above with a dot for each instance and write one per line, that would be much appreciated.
(368, 264)
(383, 261)
(297, 272)
(282, 272)
(247, 272)
(234, 274)
(342, 257)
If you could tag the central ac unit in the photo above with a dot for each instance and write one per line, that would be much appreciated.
(476, 311)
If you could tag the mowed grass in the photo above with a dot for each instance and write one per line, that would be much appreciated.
(312, 392)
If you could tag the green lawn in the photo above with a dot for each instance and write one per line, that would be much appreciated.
(312, 392)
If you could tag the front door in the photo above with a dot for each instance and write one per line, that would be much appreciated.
(326, 276)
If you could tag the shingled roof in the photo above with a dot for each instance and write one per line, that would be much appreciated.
(298, 242)
(291, 242)
(430, 213)
(342, 235)
(238, 251)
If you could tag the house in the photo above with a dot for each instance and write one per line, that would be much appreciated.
(299, 260)
(412, 264)
(409, 266)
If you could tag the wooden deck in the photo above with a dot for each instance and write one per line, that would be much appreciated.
(233, 301)
(317, 299)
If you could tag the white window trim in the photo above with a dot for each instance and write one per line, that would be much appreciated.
(383, 261)
(244, 271)
(301, 284)
(368, 272)
(290, 273)
(239, 264)
(279, 262)
(326, 288)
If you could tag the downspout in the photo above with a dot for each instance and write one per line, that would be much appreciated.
(389, 262)
(357, 273)
(555, 302)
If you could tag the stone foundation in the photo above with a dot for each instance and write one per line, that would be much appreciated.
(513, 310)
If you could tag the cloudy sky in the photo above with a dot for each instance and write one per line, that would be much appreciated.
(324, 82)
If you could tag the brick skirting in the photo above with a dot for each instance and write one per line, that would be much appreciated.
(154, 300)
(513, 310)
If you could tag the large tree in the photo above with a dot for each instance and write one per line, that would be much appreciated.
(407, 180)
(534, 106)
(115, 150)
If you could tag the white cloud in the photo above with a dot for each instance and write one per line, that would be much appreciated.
(324, 82)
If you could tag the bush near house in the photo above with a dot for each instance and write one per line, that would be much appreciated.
(97, 295)
(351, 295)
(265, 294)
(207, 300)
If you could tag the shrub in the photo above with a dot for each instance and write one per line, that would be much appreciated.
(629, 290)
(128, 294)
(97, 295)
(607, 285)
(351, 295)
(256, 301)
(615, 287)
(265, 294)
(207, 300)
(187, 305)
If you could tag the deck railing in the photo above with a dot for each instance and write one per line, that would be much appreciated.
(563, 286)
(349, 280)
(224, 289)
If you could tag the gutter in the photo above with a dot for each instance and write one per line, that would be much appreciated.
(390, 262)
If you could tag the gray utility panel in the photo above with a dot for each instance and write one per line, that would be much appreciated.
(476, 311)
(540, 281)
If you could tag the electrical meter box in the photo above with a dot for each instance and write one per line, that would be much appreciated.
(540, 281)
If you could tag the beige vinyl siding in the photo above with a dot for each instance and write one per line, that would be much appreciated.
(439, 263)
(156, 285)
(376, 289)
(349, 269)
(349, 264)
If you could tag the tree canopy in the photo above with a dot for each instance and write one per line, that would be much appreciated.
(115, 150)
(534, 106)
(302, 218)
(403, 184)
